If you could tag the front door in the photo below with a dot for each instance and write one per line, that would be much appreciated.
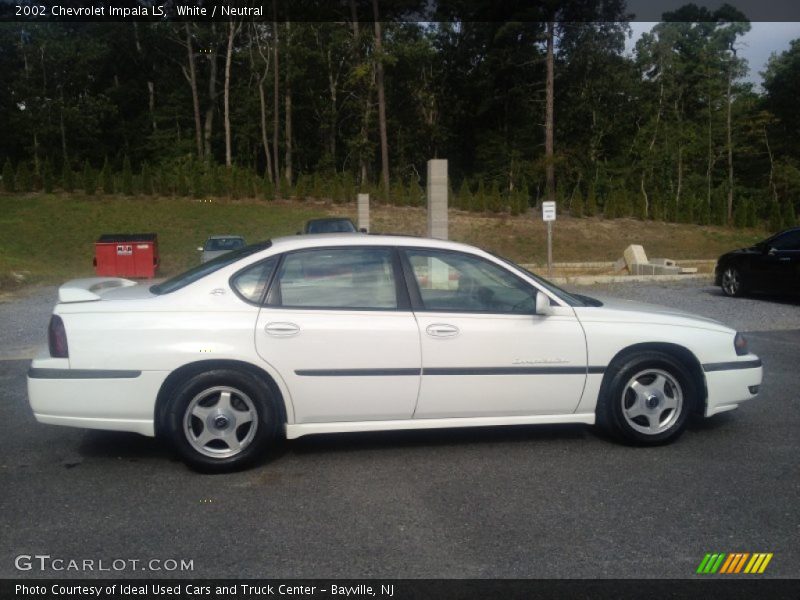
(341, 334)
(484, 350)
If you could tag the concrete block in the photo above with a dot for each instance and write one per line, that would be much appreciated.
(363, 211)
(437, 199)
(634, 255)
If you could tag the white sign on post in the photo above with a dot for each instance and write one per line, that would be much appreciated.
(548, 216)
(548, 211)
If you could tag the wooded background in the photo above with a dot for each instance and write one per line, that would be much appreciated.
(523, 111)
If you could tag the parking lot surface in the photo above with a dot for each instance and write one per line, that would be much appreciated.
(554, 501)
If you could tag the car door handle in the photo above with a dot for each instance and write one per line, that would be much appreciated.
(785, 258)
(281, 329)
(442, 330)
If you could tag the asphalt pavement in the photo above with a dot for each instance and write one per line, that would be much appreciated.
(547, 501)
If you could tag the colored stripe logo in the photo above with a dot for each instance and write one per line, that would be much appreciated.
(732, 563)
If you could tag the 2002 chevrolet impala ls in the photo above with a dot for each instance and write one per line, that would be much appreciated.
(336, 333)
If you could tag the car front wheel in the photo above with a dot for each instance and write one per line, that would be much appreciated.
(732, 283)
(647, 400)
(222, 420)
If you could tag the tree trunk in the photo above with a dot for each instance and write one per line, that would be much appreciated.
(212, 98)
(195, 97)
(151, 86)
(233, 29)
(63, 130)
(288, 111)
(275, 101)
(550, 189)
(363, 136)
(262, 98)
(381, 100)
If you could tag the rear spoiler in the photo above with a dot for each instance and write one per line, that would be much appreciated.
(89, 289)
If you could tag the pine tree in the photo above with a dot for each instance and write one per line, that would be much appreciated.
(775, 217)
(609, 206)
(67, 178)
(591, 202)
(23, 179)
(107, 178)
(740, 214)
(703, 213)
(89, 184)
(268, 190)
(657, 207)
(752, 214)
(47, 176)
(147, 180)
(576, 208)
(479, 199)
(464, 198)
(196, 179)
(127, 177)
(9, 185)
(524, 198)
(789, 216)
(494, 200)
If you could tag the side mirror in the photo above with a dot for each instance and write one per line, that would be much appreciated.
(363, 230)
(543, 304)
(199, 248)
(771, 251)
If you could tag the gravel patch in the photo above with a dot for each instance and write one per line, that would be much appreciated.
(701, 297)
(23, 321)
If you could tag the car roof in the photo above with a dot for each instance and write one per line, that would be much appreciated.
(320, 240)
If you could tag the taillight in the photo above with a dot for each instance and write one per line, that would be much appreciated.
(57, 338)
(740, 345)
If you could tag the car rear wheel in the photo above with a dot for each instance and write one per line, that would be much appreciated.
(647, 399)
(222, 420)
(732, 283)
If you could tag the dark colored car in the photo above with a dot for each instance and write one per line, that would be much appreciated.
(770, 266)
(331, 225)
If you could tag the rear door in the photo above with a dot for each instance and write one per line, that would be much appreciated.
(339, 329)
(484, 350)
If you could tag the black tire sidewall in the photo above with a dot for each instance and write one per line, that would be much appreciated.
(258, 392)
(741, 289)
(612, 409)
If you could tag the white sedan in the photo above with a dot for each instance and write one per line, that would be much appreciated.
(341, 333)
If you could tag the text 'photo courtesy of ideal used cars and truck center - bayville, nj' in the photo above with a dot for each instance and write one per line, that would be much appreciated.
(399, 299)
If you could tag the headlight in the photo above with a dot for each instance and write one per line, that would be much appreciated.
(740, 345)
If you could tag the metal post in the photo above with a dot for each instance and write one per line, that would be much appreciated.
(549, 248)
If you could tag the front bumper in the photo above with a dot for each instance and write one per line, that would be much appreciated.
(729, 384)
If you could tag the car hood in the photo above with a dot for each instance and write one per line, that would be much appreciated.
(631, 311)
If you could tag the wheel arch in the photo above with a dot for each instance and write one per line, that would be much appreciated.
(188, 370)
(680, 353)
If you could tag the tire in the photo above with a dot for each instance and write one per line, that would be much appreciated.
(732, 283)
(222, 420)
(646, 399)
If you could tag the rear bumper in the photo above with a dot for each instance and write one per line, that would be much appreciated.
(95, 399)
(729, 384)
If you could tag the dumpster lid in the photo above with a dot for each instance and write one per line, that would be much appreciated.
(127, 237)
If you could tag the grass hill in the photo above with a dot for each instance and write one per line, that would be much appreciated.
(49, 238)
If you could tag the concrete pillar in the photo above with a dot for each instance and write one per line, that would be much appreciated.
(437, 198)
(363, 211)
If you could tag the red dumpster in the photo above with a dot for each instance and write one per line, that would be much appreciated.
(126, 255)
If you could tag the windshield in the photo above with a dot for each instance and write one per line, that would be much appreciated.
(200, 271)
(331, 226)
(570, 299)
(224, 244)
